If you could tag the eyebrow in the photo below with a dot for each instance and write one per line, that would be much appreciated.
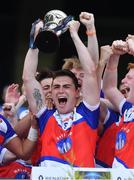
(62, 84)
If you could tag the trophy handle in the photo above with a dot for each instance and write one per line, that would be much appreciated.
(47, 41)
(63, 24)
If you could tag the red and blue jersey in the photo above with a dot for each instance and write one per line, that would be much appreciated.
(15, 170)
(6, 131)
(105, 149)
(69, 142)
(125, 138)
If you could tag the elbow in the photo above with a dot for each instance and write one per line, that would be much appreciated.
(24, 157)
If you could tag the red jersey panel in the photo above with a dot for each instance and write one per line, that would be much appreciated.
(15, 170)
(125, 138)
(105, 149)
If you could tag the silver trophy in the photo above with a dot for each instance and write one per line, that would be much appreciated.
(55, 24)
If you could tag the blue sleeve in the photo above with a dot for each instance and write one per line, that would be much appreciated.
(92, 117)
(6, 129)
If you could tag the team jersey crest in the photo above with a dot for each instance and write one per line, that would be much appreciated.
(64, 145)
(121, 140)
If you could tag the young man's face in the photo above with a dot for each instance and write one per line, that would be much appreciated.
(64, 94)
(128, 82)
(124, 90)
(46, 86)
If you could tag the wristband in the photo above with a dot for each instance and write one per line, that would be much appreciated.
(33, 134)
(90, 33)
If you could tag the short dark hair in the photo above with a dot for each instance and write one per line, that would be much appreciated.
(66, 72)
(43, 74)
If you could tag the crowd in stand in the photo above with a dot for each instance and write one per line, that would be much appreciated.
(76, 116)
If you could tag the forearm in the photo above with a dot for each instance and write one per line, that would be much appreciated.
(110, 82)
(83, 54)
(30, 142)
(23, 148)
(93, 45)
(100, 70)
(30, 64)
(111, 72)
(8, 156)
(23, 126)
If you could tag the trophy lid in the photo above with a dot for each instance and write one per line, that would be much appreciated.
(54, 17)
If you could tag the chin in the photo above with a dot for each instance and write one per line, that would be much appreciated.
(63, 110)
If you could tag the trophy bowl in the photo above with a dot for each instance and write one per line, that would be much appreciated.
(55, 24)
(47, 41)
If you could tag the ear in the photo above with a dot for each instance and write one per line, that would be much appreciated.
(78, 93)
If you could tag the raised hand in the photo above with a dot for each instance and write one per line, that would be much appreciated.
(12, 94)
(49, 102)
(119, 47)
(105, 53)
(73, 27)
(35, 29)
(130, 43)
(87, 19)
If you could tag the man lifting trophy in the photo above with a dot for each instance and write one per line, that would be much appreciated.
(55, 23)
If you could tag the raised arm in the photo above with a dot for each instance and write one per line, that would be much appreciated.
(90, 86)
(111, 72)
(32, 86)
(88, 20)
(105, 53)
